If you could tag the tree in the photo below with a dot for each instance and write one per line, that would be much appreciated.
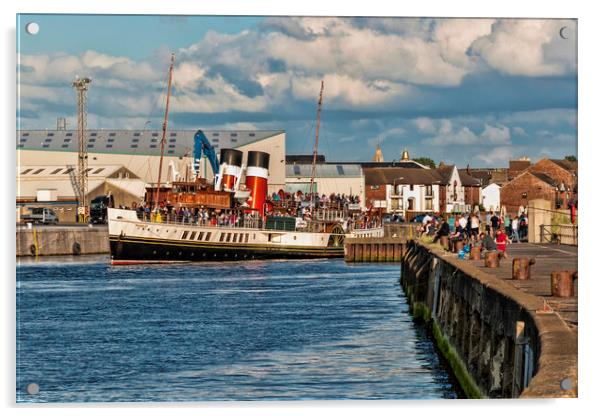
(426, 161)
(571, 158)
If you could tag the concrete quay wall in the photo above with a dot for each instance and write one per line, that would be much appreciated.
(57, 241)
(499, 341)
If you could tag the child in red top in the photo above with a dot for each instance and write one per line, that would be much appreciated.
(502, 240)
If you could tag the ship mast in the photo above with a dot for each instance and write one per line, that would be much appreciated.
(315, 158)
(165, 119)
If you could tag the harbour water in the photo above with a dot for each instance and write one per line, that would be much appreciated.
(265, 330)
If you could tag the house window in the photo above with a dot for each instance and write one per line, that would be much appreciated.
(173, 134)
(50, 134)
(67, 141)
(46, 145)
(251, 134)
(171, 146)
(375, 187)
(233, 134)
(109, 146)
(411, 187)
(111, 134)
(153, 146)
(155, 134)
(93, 134)
(135, 140)
(234, 140)
(25, 134)
(172, 140)
(428, 204)
(429, 190)
(170, 152)
(215, 134)
(137, 134)
(134, 146)
(90, 145)
(47, 140)
(69, 134)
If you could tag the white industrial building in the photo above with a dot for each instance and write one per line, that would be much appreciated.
(139, 150)
(55, 186)
(330, 179)
(491, 197)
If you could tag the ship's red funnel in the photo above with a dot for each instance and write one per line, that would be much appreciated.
(257, 178)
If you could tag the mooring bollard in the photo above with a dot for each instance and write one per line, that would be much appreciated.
(492, 259)
(563, 283)
(475, 253)
(521, 268)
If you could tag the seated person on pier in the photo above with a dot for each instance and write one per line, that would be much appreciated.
(487, 242)
(443, 231)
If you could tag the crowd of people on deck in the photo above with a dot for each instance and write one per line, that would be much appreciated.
(490, 231)
(299, 199)
(280, 204)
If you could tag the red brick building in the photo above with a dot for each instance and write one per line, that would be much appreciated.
(564, 173)
(472, 188)
(527, 185)
(516, 167)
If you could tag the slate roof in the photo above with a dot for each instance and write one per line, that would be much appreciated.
(402, 176)
(566, 164)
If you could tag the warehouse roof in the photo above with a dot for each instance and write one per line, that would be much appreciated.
(142, 142)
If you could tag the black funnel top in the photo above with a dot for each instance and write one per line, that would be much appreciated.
(258, 159)
(230, 157)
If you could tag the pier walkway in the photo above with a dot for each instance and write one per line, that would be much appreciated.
(548, 258)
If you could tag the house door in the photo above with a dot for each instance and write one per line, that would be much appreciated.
(411, 204)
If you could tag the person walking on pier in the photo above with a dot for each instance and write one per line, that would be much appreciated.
(502, 241)
(495, 223)
(515, 237)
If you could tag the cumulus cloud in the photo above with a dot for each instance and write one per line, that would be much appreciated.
(447, 136)
(530, 47)
(497, 156)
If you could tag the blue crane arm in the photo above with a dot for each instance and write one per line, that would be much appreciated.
(203, 147)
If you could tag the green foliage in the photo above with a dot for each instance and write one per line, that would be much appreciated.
(426, 161)
(571, 158)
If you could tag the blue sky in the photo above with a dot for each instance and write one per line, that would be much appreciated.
(464, 91)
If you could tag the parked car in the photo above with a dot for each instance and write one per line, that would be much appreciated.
(419, 218)
(393, 218)
(40, 216)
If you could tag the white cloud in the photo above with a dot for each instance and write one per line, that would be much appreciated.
(497, 156)
(521, 47)
(519, 131)
(425, 125)
(491, 135)
(552, 116)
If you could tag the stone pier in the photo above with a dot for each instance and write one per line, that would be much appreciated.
(502, 338)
